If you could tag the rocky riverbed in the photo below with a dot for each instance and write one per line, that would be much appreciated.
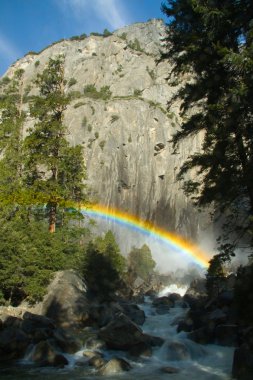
(120, 338)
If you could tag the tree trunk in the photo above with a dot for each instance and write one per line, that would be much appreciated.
(52, 217)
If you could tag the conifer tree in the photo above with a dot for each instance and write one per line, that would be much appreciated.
(11, 136)
(213, 40)
(54, 170)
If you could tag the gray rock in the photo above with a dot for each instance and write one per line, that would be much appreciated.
(226, 335)
(141, 349)
(65, 302)
(13, 343)
(178, 351)
(115, 365)
(121, 333)
(45, 354)
(94, 343)
(242, 368)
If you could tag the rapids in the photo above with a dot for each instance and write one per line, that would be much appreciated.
(199, 362)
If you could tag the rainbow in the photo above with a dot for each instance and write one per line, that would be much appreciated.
(172, 240)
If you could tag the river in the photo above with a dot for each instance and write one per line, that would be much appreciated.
(199, 362)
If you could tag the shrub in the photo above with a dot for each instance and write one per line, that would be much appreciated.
(135, 45)
(89, 128)
(91, 92)
(137, 92)
(96, 134)
(107, 33)
(72, 81)
(79, 104)
(37, 63)
(102, 144)
(123, 36)
(114, 118)
(84, 121)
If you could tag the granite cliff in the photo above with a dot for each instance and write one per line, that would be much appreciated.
(118, 111)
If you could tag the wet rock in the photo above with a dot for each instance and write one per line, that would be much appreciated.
(134, 313)
(45, 354)
(13, 343)
(185, 325)
(203, 335)
(242, 368)
(67, 342)
(174, 297)
(154, 341)
(97, 362)
(170, 370)
(226, 335)
(178, 351)
(121, 333)
(91, 354)
(94, 344)
(141, 349)
(115, 365)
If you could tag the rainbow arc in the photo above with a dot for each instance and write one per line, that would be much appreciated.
(174, 241)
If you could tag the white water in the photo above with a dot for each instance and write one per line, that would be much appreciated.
(173, 289)
(209, 362)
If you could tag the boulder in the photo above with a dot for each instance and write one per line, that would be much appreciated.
(174, 297)
(94, 344)
(178, 351)
(121, 333)
(133, 312)
(65, 302)
(141, 349)
(97, 361)
(226, 335)
(242, 368)
(45, 354)
(203, 335)
(66, 342)
(115, 365)
(13, 343)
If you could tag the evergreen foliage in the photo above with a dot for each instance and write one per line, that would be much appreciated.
(213, 40)
(54, 170)
(103, 266)
(140, 262)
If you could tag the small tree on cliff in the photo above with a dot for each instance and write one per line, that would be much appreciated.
(54, 170)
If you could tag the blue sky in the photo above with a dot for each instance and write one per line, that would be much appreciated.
(30, 25)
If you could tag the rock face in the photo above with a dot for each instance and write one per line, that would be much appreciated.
(125, 127)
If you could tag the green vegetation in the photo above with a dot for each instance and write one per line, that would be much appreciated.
(54, 170)
(107, 33)
(123, 36)
(89, 127)
(96, 134)
(79, 104)
(36, 63)
(90, 91)
(103, 266)
(140, 262)
(151, 73)
(114, 118)
(135, 45)
(102, 144)
(72, 82)
(137, 92)
(130, 139)
(4, 81)
(84, 121)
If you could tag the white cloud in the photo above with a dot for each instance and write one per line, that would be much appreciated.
(7, 50)
(111, 11)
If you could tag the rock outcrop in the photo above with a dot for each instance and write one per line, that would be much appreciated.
(119, 93)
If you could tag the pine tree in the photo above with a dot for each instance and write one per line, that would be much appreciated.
(213, 40)
(54, 170)
(140, 262)
(11, 146)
